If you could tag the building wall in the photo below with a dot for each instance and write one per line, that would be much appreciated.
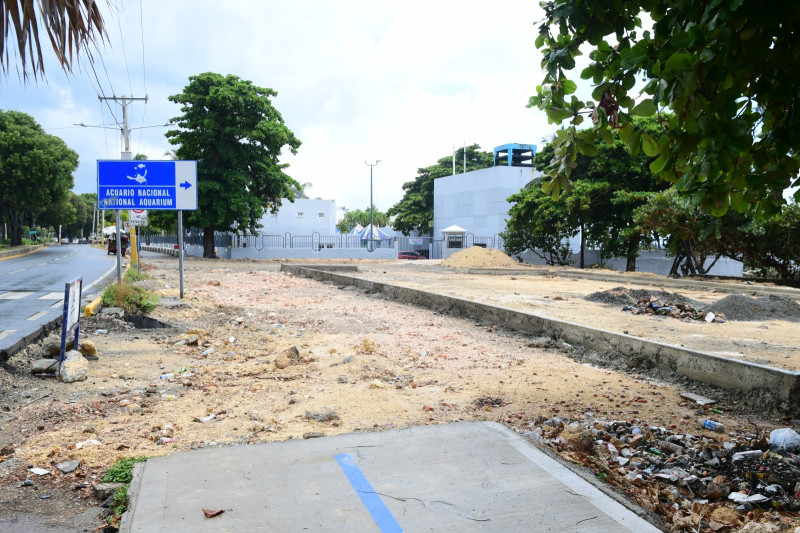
(317, 216)
(654, 261)
(478, 200)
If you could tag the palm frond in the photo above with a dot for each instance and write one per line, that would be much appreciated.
(72, 26)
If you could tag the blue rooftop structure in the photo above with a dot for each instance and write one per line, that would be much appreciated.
(514, 155)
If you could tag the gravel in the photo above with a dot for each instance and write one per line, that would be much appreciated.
(624, 296)
(772, 307)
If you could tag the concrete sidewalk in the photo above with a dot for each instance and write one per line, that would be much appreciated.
(467, 476)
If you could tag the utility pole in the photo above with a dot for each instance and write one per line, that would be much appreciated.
(126, 155)
(371, 206)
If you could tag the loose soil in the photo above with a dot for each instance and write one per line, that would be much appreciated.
(379, 364)
(758, 336)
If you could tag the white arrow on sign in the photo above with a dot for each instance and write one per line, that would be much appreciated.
(186, 185)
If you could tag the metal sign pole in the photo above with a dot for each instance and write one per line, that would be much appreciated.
(180, 249)
(119, 248)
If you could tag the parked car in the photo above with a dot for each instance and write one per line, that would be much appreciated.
(64, 240)
(83, 240)
(410, 255)
(75, 240)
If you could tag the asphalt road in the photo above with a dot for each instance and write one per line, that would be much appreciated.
(32, 289)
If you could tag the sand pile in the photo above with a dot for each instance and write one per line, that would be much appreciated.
(479, 257)
(772, 307)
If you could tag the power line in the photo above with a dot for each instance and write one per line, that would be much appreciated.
(124, 51)
(144, 70)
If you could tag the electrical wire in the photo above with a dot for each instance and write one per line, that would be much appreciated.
(144, 64)
(124, 51)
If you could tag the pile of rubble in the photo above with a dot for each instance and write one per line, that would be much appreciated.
(650, 305)
(694, 482)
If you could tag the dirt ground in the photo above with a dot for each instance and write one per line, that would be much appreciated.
(774, 342)
(218, 374)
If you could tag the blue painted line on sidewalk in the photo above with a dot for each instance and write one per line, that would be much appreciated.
(371, 500)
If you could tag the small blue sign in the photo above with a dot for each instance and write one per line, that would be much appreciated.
(156, 185)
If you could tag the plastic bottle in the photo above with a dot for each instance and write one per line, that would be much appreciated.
(710, 424)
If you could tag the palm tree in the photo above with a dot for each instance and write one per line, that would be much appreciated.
(71, 26)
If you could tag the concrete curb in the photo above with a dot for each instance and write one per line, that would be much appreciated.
(762, 383)
(681, 283)
(10, 254)
(160, 249)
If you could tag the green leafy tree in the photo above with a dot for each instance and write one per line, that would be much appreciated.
(600, 203)
(697, 239)
(356, 217)
(414, 212)
(35, 171)
(726, 70)
(539, 223)
(230, 127)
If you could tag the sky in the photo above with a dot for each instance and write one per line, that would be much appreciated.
(399, 82)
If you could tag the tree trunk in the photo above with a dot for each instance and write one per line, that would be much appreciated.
(689, 257)
(583, 244)
(675, 264)
(16, 227)
(633, 250)
(208, 243)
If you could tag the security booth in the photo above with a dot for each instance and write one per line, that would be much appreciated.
(453, 240)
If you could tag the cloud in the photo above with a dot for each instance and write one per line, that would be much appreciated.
(357, 80)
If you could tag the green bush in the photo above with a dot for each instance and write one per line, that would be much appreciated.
(129, 297)
(121, 472)
(132, 276)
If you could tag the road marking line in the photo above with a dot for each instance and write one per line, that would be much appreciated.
(371, 500)
(42, 264)
(6, 333)
(58, 304)
(52, 296)
(14, 295)
(37, 316)
(15, 271)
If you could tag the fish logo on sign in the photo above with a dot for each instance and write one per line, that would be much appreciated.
(139, 177)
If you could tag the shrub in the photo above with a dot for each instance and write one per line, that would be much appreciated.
(129, 297)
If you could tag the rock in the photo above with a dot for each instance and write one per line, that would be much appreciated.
(133, 408)
(44, 366)
(89, 350)
(342, 379)
(7, 450)
(539, 342)
(213, 282)
(103, 491)
(68, 466)
(113, 311)
(716, 491)
(726, 515)
(313, 435)
(325, 414)
(54, 348)
(348, 359)
(582, 441)
(377, 384)
(27, 483)
(74, 367)
(289, 356)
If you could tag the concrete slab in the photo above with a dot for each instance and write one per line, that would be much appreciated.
(467, 476)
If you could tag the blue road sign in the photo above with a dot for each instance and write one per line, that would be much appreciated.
(164, 185)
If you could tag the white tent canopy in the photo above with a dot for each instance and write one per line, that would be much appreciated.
(111, 230)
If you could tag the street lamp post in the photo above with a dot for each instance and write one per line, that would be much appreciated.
(371, 206)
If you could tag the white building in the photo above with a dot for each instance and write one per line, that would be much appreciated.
(477, 201)
(303, 217)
